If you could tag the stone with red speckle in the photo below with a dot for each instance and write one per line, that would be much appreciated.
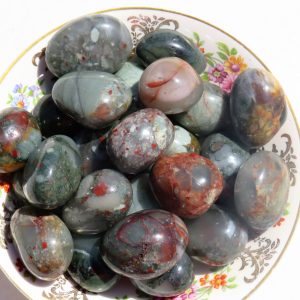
(261, 190)
(103, 198)
(139, 139)
(145, 244)
(44, 242)
(19, 136)
(186, 184)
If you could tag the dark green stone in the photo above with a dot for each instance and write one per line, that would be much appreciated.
(53, 172)
(87, 267)
(170, 43)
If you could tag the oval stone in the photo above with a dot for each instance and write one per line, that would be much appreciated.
(139, 139)
(184, 142)
(224, 153)
(19, 136)
(94, 99)
(52, 120)
(261, 190)
(172, 283)
(53, 172)
(103, 198)
(257, 106)
(169, 43)
(171, 85)
(145, 245)
(205, 116)
(216, 237)
(44, 242)
(186, 184)
(87, 267)
(96, 42)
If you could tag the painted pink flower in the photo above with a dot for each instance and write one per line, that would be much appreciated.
(227, 83)
(217, 74)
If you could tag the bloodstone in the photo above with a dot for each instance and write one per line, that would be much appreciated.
(206, 115)
(146, 244)
(172, 283)
(19, 136)
(257, 106)
(224, 153)
(96, 42)
(52, 173)
(139, 139)
(184, 142)
(87, 267)
(216, 237)
(52, 120)
(186, 184)
(43, 241)
(171, 85)
(261, 190)
(103, 198)
(170, 43)
(94, 99)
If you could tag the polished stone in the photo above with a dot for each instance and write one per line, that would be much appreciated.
(96, 42)
(171, 85)
(94, 99)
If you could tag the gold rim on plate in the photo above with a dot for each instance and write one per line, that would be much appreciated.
(15, 61)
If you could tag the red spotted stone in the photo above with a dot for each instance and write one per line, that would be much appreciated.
(186, 184)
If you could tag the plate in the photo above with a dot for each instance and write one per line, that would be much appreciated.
(222, 51)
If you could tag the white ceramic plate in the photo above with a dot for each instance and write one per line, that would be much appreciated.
(235, 281)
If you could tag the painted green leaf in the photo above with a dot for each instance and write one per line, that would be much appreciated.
(222, 55)
(233, 51)
(231, 279)
(196, 37)
(223, 47)
(232, 286)
(204, 76)
(210, 62)
(209, 291)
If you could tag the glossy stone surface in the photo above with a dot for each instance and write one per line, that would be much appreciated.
(87, 267)
(184, 142)
(261, 190)
(94, 99)
(257, 106)
(172, 283)
(142, 196)
(139, 140)
(169, 43)
(186, 184)
(146, 244)
(103, 198)
(52, 120)
(52, 173)
(205, 116)
(46, 79)
(19, 136)
(94, 156)
(216, 237)
(44, 242)
(171, 85)
(97, 42)
(224, 153)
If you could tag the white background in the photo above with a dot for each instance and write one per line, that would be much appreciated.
(271, 29)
